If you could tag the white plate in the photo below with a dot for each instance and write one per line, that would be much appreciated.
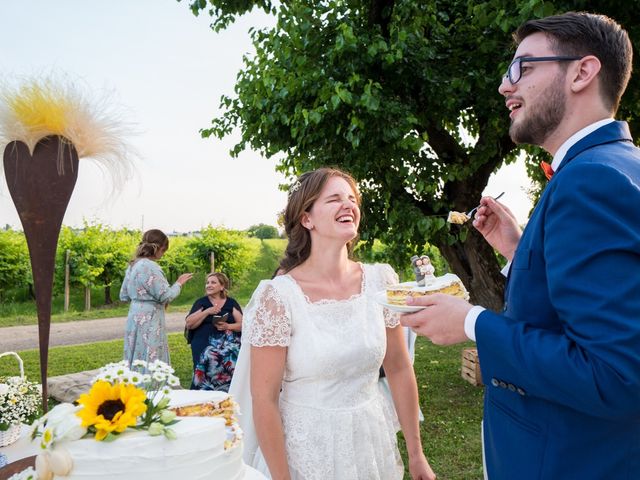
(381, 298)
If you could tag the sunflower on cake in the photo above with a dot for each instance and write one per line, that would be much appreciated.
(426, 283)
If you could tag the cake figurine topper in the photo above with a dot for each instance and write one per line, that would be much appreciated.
(423, 270)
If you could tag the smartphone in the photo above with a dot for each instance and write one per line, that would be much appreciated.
(217, 319)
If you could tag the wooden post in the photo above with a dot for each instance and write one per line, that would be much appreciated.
(66, 281)
(213, 262)
(87, 298)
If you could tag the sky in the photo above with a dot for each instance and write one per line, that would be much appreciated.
(166, 70)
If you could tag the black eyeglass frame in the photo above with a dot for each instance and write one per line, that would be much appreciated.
(560, 58)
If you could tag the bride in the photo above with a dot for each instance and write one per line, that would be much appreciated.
(314, 340)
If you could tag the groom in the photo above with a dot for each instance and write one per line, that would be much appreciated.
(562, 360)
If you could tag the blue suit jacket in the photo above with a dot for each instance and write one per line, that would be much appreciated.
(562, 361)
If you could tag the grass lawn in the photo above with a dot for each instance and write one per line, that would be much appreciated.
(452, 407)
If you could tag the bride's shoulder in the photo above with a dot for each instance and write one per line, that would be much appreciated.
(277, 286)
(281, 283)
(379, 269)
(380, 274)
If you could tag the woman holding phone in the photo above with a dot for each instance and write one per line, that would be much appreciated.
(214, 324)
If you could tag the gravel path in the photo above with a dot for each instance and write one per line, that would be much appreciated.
(74, 333)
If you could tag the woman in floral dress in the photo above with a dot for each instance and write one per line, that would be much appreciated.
(214, 343)
(146, 287)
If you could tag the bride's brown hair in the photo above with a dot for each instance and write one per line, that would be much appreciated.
(302, 195)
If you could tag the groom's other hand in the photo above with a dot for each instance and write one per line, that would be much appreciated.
(498, 225)
(442, 321)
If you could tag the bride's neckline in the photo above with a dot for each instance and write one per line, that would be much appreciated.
(324, 301)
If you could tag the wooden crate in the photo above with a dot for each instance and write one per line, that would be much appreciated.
(471, 366)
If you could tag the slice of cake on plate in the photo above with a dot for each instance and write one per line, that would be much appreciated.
(426, 283)
(449, 284)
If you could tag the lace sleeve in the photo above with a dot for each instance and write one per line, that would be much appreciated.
(388, 276)
(271, 322)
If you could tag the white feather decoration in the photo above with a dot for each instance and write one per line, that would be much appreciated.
(38, 107)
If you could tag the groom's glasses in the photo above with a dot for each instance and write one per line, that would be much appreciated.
(514, 72)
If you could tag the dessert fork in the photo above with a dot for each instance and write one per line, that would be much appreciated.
(472, 212)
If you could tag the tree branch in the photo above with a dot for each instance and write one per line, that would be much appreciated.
(380, 14)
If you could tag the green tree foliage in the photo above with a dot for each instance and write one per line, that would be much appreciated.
(117, 247)
(263, 231)
(98, 256)
(225, 11)
(232, 255)
(15, 266)
(402, 94)
(178, 259)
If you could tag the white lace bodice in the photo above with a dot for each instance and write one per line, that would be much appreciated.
(330, 390)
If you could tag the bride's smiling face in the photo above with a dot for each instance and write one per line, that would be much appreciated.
(335, 213)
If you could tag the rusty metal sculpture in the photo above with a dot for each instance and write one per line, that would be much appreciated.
(41, 186)
(46, 126)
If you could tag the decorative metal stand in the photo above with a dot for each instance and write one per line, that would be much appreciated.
(41, 186)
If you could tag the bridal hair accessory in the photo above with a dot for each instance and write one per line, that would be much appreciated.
(294, 187)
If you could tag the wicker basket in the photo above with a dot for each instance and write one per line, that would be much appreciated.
(7, 437)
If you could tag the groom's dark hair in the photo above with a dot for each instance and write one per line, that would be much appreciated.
(580, 34)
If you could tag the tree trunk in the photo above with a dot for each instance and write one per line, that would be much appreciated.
(107, 295)
(474, 261)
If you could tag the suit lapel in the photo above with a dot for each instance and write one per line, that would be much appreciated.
(611, 132)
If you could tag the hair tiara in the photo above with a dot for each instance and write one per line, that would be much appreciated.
(295, 186)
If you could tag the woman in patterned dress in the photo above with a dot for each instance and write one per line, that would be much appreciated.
(214, 344)
(314, 339)
(146, 287)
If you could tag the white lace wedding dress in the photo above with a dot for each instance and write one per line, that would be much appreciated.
(337, 424)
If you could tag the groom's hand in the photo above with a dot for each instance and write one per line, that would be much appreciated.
(442, 321)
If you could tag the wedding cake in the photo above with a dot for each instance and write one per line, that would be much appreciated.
(448, 283)
(204, 447)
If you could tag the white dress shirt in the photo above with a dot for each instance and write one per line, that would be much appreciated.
(472, 315)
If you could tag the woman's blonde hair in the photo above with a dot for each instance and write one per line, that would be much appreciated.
(152, 241)
(302, 195)
(224, 281)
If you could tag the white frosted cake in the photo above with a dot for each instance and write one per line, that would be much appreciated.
(448, 283)
(206, 447)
